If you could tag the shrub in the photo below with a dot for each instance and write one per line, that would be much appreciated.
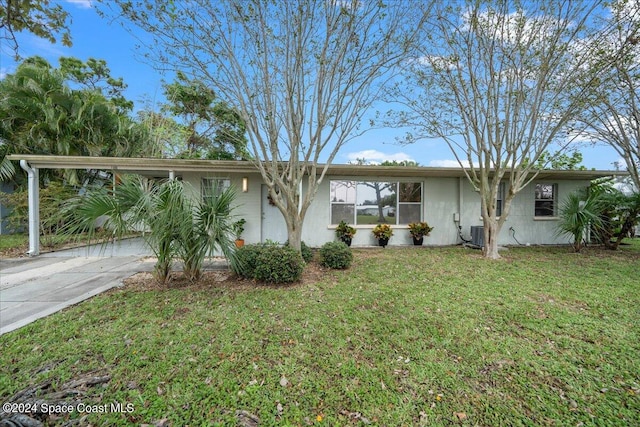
(335, 255)
(307, 253)
(52, 199)
(246, 260)
(278, 264)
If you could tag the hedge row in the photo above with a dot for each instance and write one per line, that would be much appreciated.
(272, 263)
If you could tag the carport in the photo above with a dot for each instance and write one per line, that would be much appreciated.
(156, 168)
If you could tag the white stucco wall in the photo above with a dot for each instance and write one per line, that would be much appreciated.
(247, 204)
(442, 198)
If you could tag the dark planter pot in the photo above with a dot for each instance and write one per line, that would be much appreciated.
(417, 241)
(346, 240)
(383, 241)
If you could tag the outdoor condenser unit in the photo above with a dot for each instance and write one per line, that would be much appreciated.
(477, 235)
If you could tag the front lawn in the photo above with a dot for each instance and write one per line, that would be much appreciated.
(11, 242)
(405, 337)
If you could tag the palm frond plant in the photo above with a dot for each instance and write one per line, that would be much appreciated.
(7, 168)
(212, 229)
(174, 225)
(620, 214)
(167, 218)
(579, 213)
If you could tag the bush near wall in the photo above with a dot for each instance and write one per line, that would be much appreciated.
(307, 253)
(269, 263)
(279, 264)
(52, 199)
(246, 259)
(336, 255)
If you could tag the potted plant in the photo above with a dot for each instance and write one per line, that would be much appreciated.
(418, 230)
(345, 232)
(238, 228)
(383, 233)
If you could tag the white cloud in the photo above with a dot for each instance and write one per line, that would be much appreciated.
(438, 62)
(82, 4)
(375, 156)
(41, 47)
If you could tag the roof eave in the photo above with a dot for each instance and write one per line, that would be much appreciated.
(155, 165)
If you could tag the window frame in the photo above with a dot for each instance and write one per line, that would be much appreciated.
(203, 188)
(356, 183)
(538, 211)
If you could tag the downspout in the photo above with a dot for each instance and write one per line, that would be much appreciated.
(34, 208)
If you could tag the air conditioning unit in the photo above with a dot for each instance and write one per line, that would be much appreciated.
(477, 235)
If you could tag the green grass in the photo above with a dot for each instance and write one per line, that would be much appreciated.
(374, 219)
(10, 241)
(405, 337)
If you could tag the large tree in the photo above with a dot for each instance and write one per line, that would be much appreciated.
(212, 129)
(500, 82)
(39, 17)
(41, 114)
(300, 73)
(614, 116)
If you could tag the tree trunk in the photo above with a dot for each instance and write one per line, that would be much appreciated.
(294, 234)
(627, 226)
(294, 221)
(491, 231)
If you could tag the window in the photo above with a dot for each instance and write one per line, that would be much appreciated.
(545, 202)
(373, 202)
(343, 200)
(212, 187)
(499, 200)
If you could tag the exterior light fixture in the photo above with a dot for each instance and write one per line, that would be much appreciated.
(245, 184)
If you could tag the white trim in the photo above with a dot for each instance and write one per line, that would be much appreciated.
(34, 207)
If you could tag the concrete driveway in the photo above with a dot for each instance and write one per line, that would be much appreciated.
(32, 288)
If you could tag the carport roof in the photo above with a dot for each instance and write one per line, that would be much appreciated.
(155, 166)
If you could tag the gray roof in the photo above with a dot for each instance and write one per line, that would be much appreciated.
(161, 167)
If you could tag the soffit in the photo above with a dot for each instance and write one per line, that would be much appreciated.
(148, 166)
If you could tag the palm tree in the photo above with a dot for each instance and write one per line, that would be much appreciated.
(210, 229)
(175, 225)
(579, 212)
(41, 114)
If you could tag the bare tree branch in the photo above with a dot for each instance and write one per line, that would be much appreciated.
(301, 73)
(500, 82)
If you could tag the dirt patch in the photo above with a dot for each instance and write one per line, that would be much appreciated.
(19, 252)
(223, 279)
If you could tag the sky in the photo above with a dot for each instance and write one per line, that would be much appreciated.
(96, 37)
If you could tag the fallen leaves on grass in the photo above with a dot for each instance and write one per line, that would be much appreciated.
(220, 279)
(35, 398)
(461, 416)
